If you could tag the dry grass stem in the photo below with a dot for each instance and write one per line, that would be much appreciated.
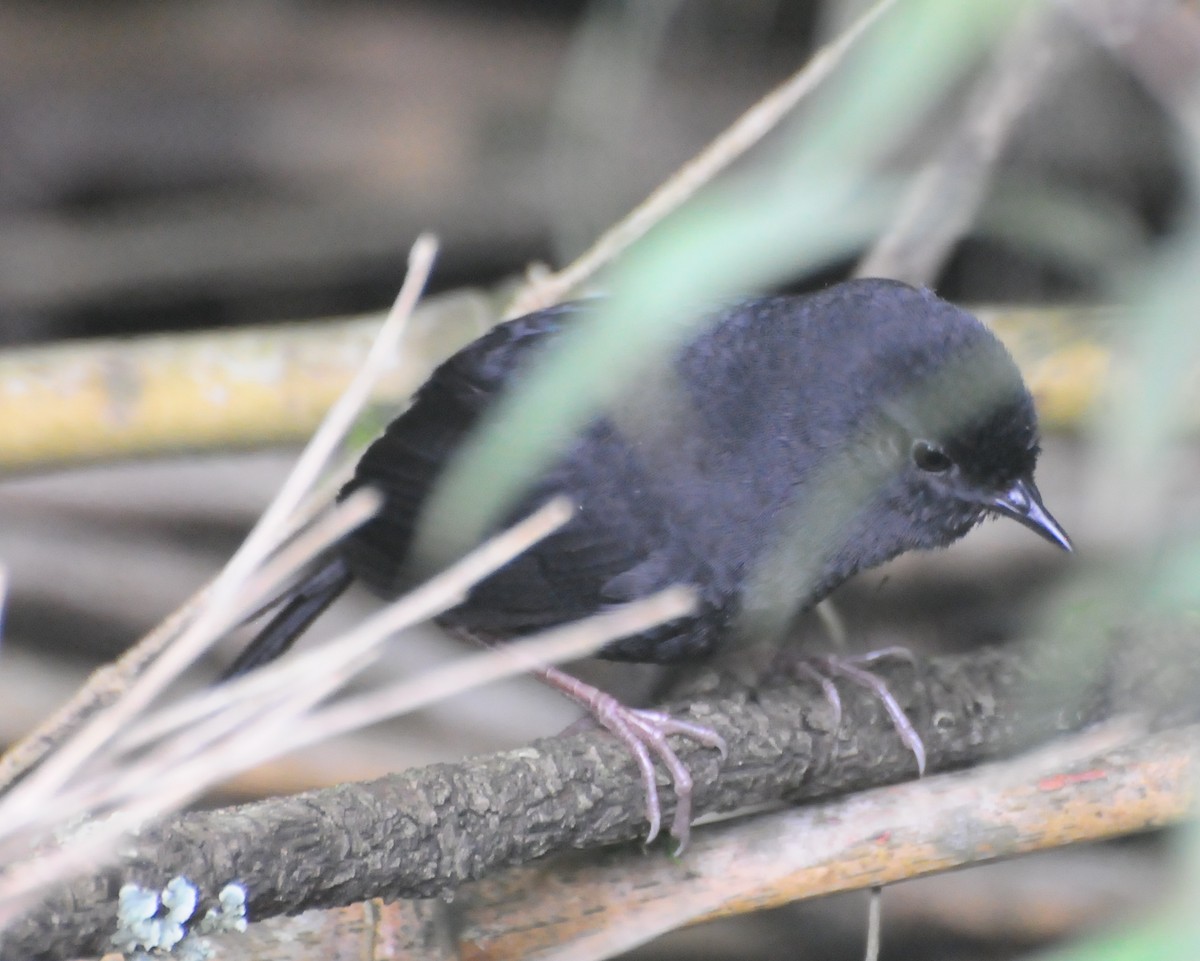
(260, 716)
(108, 682)
(299, 673)
(250, 730)
(291, 723)
(219, 610)
(103, 687)
(265, 584)
(549, 647)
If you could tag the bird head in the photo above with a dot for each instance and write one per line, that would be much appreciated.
(966, 437)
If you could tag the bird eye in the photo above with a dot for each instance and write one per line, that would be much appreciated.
(930, 458)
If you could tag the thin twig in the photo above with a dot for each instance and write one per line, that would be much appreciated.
(420, 604)
(180, 771)
(108, 682)
(550, 647)
(874, 924)
(102, 689)
(260, 715)
(347, 515)
(296, 724)
(732, 143)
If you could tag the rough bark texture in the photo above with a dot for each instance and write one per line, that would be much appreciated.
(423, 832)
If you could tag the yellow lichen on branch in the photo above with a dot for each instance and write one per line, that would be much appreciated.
(94, 400)
(221, 390)
(1066, 355)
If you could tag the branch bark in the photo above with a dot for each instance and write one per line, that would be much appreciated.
(424, 832)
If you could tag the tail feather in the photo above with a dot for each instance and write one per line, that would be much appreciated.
(308, 601)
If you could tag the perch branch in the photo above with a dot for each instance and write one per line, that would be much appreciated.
(427, 831)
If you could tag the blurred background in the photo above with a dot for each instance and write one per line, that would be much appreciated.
(171, 166)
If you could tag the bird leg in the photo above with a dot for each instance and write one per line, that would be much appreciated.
(644, 733)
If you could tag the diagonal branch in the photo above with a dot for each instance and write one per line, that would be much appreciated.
(943, 199)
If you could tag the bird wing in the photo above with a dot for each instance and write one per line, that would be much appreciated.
(617, 546)
(610, 552)
(406, 461)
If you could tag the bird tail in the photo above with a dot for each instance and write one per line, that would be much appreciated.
(308, 601)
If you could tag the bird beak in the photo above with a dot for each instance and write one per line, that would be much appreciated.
(1023, 504)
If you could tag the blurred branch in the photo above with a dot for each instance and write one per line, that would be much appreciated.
(429, 830)
(228, 599)
(1065, 354)
(1159, 40)
(732, 143)
(77, 402)
(945, 196)
(101, 691)
(231, 389)
(426, 831)
(106, 399)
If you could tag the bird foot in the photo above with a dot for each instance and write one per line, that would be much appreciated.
(854, 669)
(644, 733)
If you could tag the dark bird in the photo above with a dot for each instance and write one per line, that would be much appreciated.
(789, 443)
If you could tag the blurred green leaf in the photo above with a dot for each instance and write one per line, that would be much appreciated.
(817, 201)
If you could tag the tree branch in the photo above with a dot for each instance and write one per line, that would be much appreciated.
(214, 390)
(427, 831)
(270, 385)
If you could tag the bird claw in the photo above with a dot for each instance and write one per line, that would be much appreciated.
(848, 667)
(645, 732)
(828, 688)
(852, 669)
(882, 653)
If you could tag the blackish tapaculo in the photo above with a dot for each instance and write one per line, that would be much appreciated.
(789, 443)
